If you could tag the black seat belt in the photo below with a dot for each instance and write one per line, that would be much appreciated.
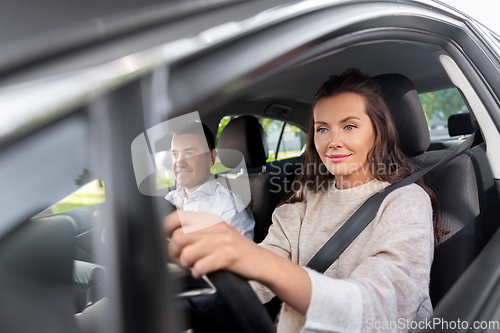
(358, 221)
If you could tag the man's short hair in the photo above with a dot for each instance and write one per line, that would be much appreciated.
(194, 128)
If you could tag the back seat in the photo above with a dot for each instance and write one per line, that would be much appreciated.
(246, 135)
(460, 125)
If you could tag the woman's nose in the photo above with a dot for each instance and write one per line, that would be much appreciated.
(335, 140)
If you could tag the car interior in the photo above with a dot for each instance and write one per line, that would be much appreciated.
(462, 203)
(465, 187)
(225, 82)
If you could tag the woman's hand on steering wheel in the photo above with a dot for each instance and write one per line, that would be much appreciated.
(220, 247)
(214, 247)
(205, 244)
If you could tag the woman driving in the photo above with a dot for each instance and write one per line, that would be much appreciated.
(381, 281)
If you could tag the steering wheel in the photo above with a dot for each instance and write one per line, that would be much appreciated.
(234, 307)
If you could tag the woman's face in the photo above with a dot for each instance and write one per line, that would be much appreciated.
(343, 136)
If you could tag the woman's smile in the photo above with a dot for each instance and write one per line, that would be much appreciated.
(337, 158)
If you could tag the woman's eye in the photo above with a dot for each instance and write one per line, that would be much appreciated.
(349, 127)
(321, 130)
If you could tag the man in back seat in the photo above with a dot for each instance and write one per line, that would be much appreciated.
(198, 189)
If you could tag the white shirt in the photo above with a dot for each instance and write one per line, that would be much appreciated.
(212, 197)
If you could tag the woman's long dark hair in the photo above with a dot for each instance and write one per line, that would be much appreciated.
(388, 162)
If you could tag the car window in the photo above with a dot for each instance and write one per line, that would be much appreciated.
(90, 193)
(218, 166)
(273, 129)
(438, 106)
(283, 140)
(164, 176)
(292, 142)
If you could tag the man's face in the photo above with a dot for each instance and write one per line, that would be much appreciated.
(191, 161)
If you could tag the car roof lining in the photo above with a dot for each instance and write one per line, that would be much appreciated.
(385, 57)
(296, 86)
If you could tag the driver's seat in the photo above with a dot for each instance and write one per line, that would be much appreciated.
(457, 185)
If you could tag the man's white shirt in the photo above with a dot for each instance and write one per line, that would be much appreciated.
(212, 197)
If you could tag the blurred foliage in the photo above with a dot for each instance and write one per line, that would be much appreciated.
(218, 167)
(163, 180)
(270, 125)
(89, 194)
(443, 103)
(84, 178)
(291, 128)
(282, 155)
(224, 121)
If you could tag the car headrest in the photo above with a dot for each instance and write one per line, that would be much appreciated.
(402, 100)
(246, 135)
(460, 124)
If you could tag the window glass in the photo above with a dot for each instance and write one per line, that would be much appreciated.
(292, 142)
(272, 128)
(438, 106)
(218, 166)
(164, 176)
(89, 194)
(223, 122)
